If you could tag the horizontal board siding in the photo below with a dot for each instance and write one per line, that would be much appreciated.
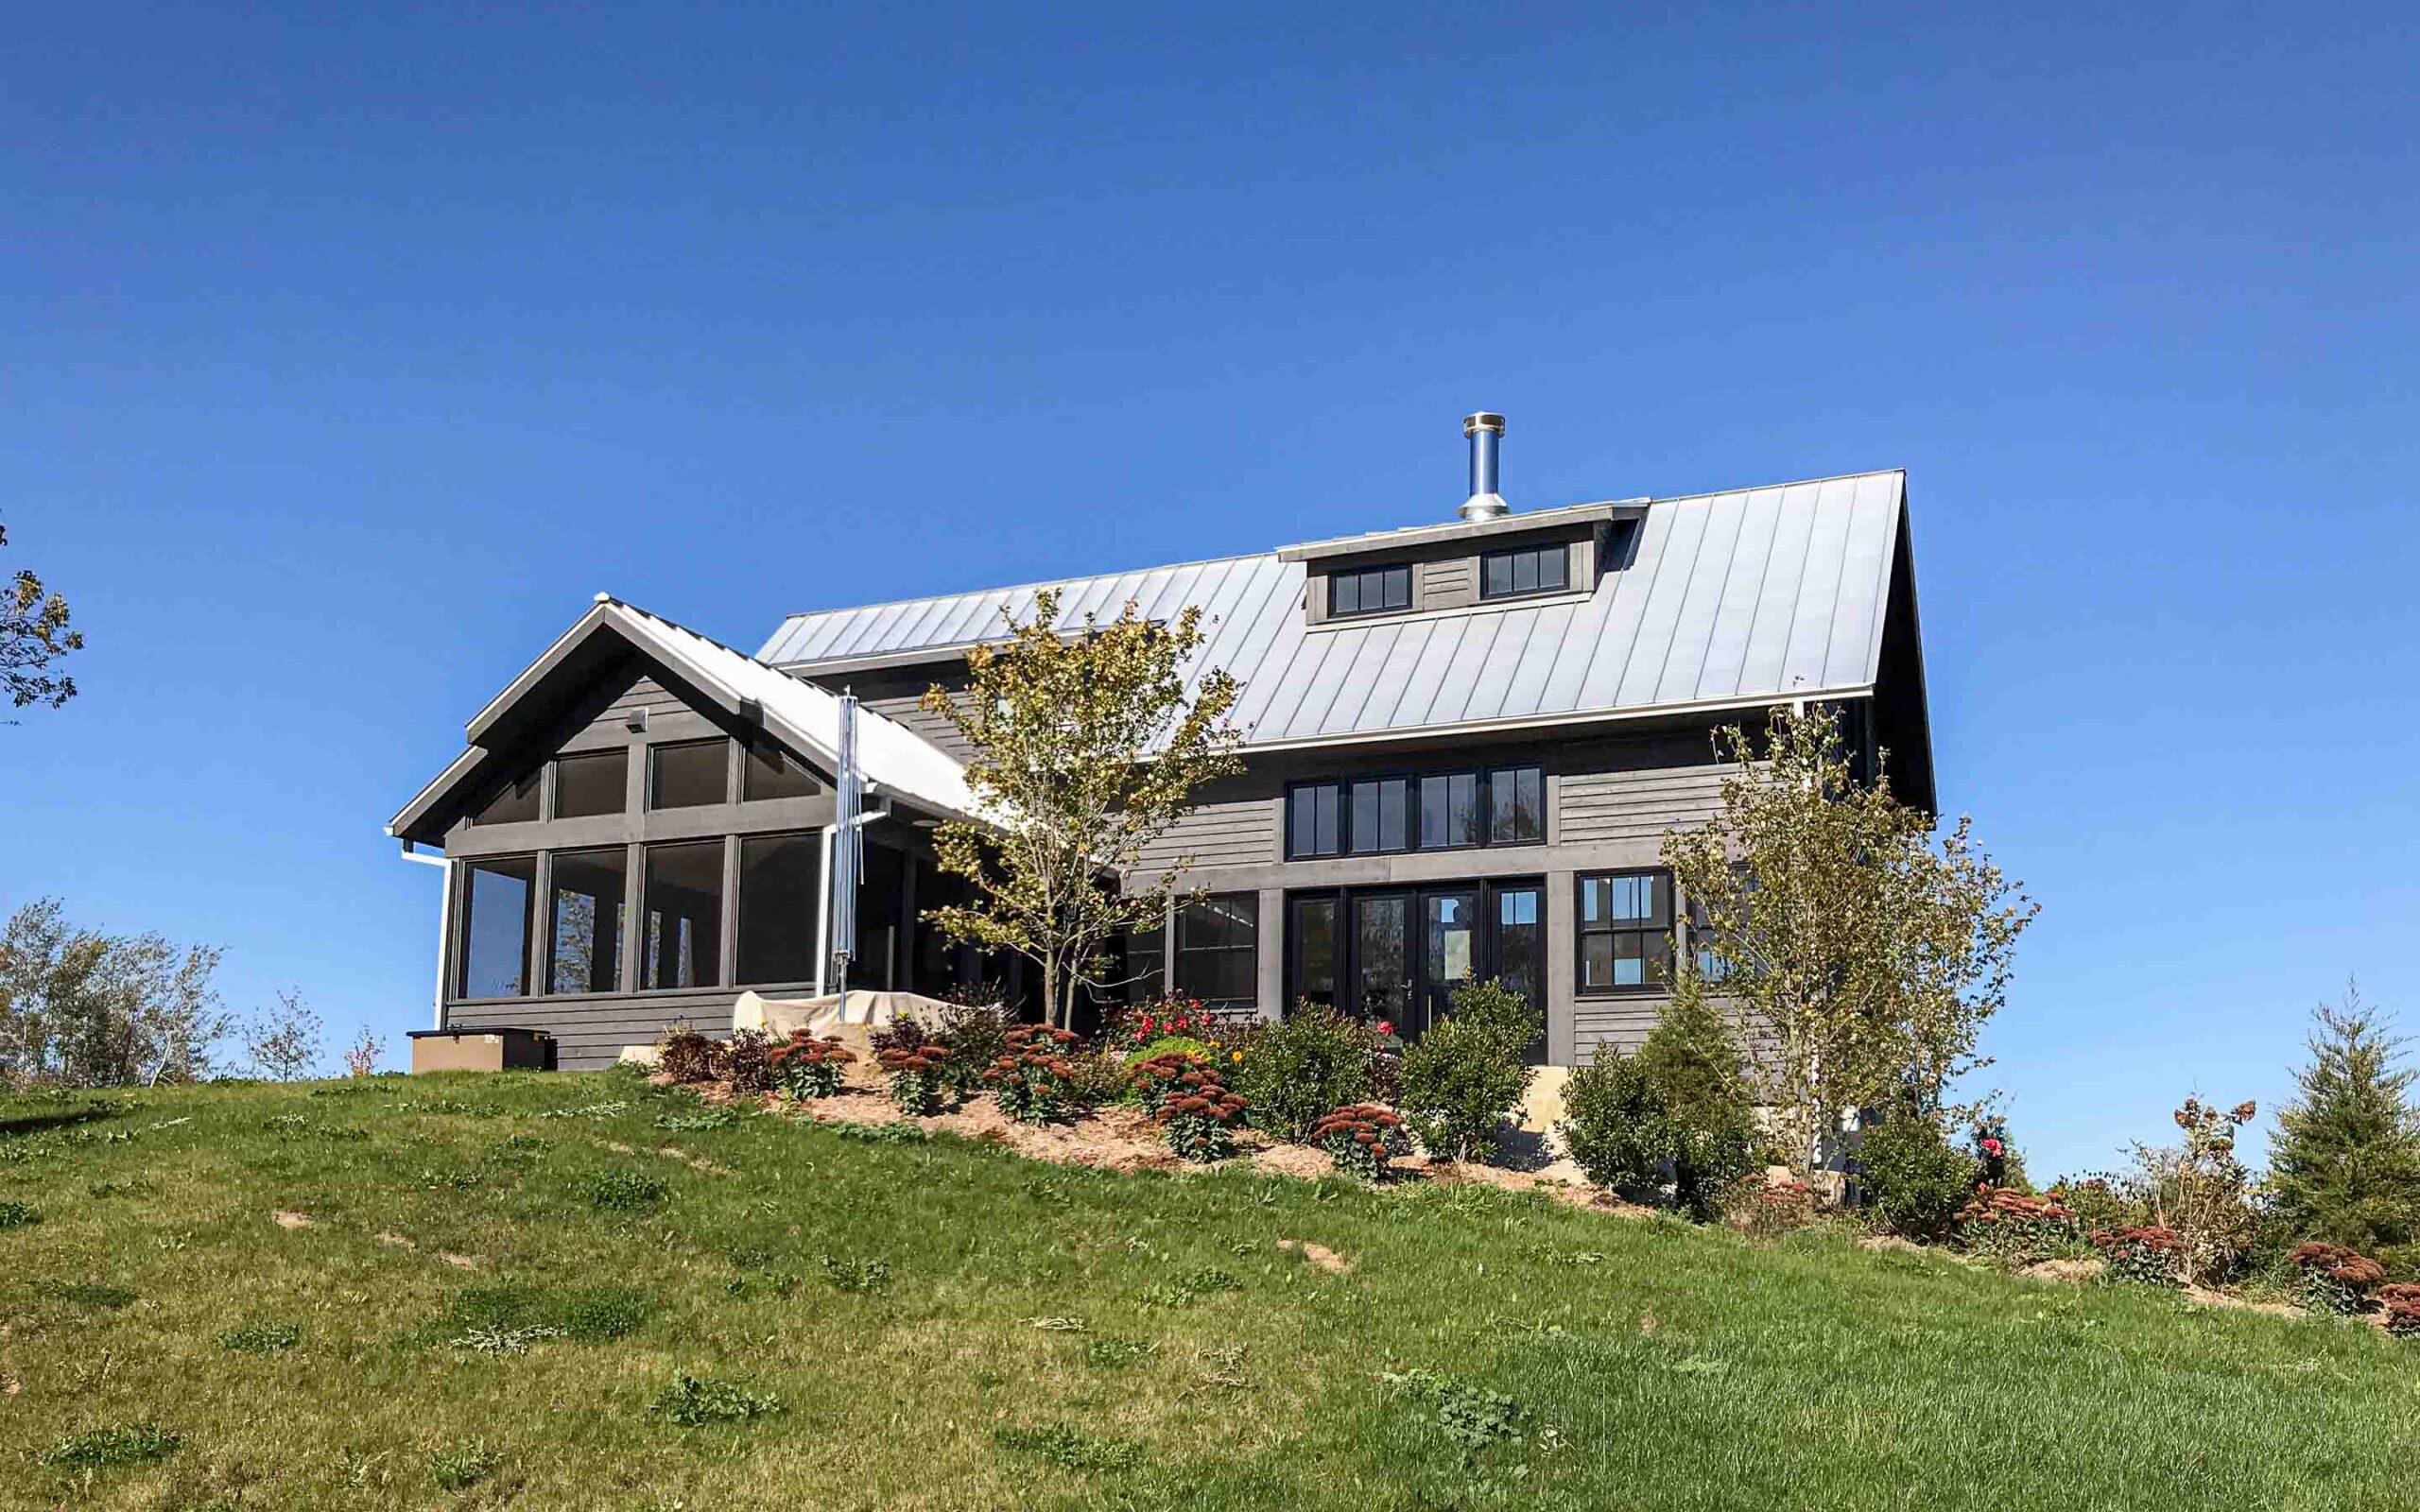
(1639, 805)
(907, 709)
(1625, 1024)
(590, 1032)
(1449, 584)
(1219, 835)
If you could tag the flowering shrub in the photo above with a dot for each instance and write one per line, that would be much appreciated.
(809, 1067)
(686, 1056)
(1300, 1069)
(978, 1035)
(1161, 1077)
(2011, 1228)
(1992, 1149)
(1031, 1076)
(2402, 1304)
(1774, 1210)
(1361, 1139)
(1197, 1112)
(2334, 1279)
(918, 1076)
(2199, 1190)
(2146, 1255)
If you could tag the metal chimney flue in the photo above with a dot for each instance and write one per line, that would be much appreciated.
(1486, 434)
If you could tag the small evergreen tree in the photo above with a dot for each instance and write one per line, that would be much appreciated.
(1679, 1112)
(2345, 1167)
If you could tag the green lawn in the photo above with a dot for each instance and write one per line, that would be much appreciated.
(946, 1326)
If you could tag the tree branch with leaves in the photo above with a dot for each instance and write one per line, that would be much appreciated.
(33, 635)
(1866, 952)
(1087, 748)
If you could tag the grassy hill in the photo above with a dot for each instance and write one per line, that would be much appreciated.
(488, 1291)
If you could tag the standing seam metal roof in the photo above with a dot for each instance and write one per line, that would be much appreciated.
(1762, 592)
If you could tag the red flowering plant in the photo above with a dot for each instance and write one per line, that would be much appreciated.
(1363, 1139)
(1199, 1116)
(1161, 1078)
(809, 1066)
(2146, 1255)
(2009, 1227)
(2402, 1304)
(2334, 1279)
(1775, 1209)
(918, 1076)
(1032, 1080)
(1992, 1149)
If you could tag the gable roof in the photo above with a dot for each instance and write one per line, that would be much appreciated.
(1734, 599)
(801, 716)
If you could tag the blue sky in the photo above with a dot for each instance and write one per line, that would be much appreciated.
(348, 355)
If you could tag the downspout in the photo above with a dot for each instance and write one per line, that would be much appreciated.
(444, 892)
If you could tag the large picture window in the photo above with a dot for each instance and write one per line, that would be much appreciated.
(689, 774)
(1217, 949)
(496, 897)
(772, 772)
(1434, 811)
(780, 880)
(683, 893)
(516, 804)
(1529, 570)
(591, 782)
(1625, 932)
(1370, 590)
(585, 935)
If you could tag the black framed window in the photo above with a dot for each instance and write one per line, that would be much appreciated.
(1528, 570)
(1516, 805)
(1704, 938)
(1217, 949)
(1381, 816)
(781, 881)
(585, 932)
(1314, 825)
(594, 782)
(689, 774)
(683, 901)
(1397, 953)
(498, 895)
(1146, 969)
(1450, 811)
(1315, 953)
(516, 804)
(772, 772)
(1369, 591)
(1625, 928)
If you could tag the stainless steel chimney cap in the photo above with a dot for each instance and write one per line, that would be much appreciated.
(1472, 424)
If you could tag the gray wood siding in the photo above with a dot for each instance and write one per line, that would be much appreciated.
(905, 708)
(590, 1031)
(1449, 584)
(1634, 805)
(1219, 835)
(1624, 1022)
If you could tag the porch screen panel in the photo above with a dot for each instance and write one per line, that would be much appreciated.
(781, 879)
(585, 935)
(684, 890)
(496, 902)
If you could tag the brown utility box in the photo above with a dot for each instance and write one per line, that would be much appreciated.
(486, 1048)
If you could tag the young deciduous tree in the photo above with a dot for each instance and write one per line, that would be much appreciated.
(283, 1043)
(33, 634)
(2345, 1164)
(1086, 749)
(1865, 952)
(80, 1007)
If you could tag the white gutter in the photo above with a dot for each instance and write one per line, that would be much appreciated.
(444, 890)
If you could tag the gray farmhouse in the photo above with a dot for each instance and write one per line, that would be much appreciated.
(1464, 742)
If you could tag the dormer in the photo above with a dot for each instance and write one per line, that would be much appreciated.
(1489, 558)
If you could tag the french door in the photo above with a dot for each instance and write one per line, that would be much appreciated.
(1397, 955)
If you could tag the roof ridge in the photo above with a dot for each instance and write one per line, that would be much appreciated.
(1034, 586)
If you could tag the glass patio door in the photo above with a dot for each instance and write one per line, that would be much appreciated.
(1450, 931)
(1382, 956)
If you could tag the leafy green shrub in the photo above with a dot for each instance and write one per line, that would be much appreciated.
(689, 1057)
(463, 1463)
(2334, 1279)
(261, 1338)
(809, 1066)
(1306, 1065)
(919, 1077)
(1058, 1445)
(694, 1402)
(1096, 1076)
(1362, 1140)
(2011, 1228)
(1032, 1077)
(110, 1447)
(1467, 1074)
(625, 1192)
(17, 1216)
(2142, 1255)
(1914, 1180)
(1167, 1044)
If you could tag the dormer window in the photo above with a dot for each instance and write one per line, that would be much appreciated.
(1529, 569)
(1369, 591)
